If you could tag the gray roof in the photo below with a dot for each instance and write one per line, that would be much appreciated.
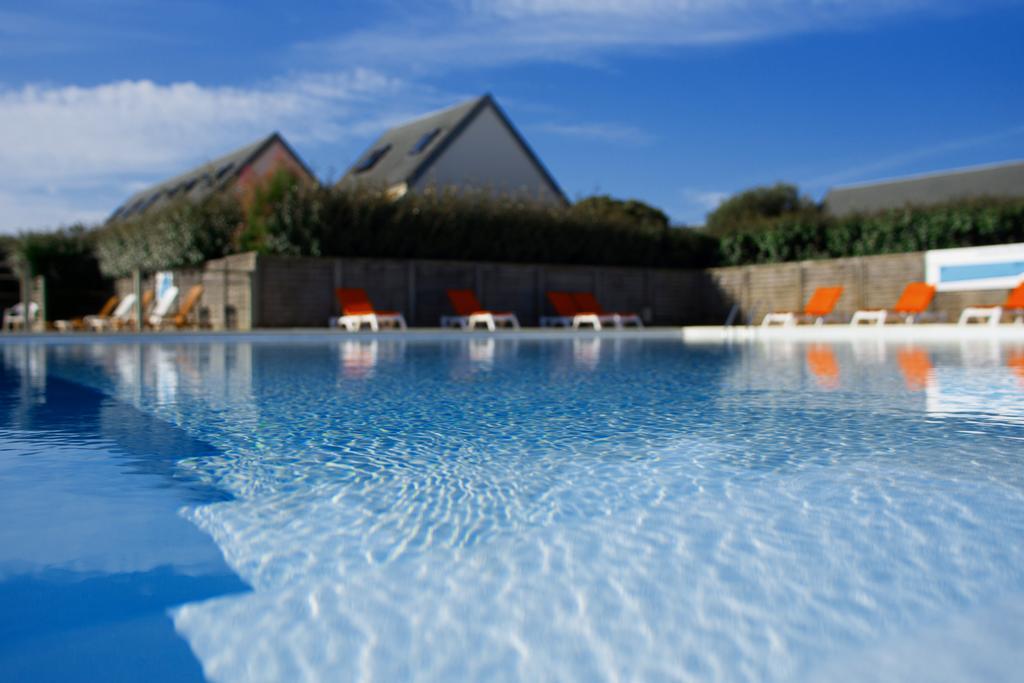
(993, 180)
(200, 182)
(396, 164)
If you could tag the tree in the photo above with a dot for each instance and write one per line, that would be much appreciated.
(629, 211)
(759, 208)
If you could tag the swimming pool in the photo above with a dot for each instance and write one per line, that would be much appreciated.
(588, 508)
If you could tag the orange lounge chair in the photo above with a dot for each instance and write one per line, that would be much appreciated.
(356, 310)
(83, 323)
(819, 306)
(1014, 304)
(469, 313)
(568, 313)
(586, 301)
(914, 301)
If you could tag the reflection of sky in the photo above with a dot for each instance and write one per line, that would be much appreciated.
(574, 510)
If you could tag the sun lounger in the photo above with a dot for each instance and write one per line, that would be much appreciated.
(356, 310)
(162, 309)
(121, 314)
(14, 317)
(83, 322)
(1014, 305)
(180, 319)
(585, 301)
(914, 301)
(570, 314)
(469, 313)
(819, 306)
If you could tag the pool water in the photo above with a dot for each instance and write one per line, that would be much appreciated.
(565, 509)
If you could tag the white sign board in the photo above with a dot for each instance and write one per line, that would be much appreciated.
(1000, 266)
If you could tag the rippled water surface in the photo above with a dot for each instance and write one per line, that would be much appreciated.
(567, 509)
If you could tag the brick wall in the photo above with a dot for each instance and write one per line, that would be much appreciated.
(299, 292)
(869, 282)
(245, 290)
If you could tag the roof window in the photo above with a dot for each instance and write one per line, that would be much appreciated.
(371, 159)
(424, 142)
(223, 170)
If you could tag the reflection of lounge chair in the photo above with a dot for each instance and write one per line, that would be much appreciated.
(162, 309)
(822, 363)
(180, 319)
(570, 314)
(83, 323)
(356, 310)
(469, 313)
(913, 302)
(1014, 305)
(14, 317)
(585, 301)
(1015, 361)
(916, 367)
(819, 306)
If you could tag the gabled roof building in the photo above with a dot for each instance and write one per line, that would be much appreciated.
(236, 172)
(470, 146)
(1004, 180)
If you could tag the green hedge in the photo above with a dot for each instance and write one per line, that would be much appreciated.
(285, 218)
(297, 220)
(962, 224)
(67, 259)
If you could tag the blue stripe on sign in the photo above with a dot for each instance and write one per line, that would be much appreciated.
(980, 271)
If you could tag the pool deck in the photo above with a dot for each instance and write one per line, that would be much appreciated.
(694, 334)
(844, 333)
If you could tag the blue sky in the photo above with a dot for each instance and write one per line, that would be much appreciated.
(674, 102)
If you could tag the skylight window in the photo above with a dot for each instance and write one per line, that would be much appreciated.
(224, 170)
(371, 159)
(424, 142)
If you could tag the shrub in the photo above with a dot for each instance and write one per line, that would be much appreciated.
(760, 208)
(180, 234)
(959, 224)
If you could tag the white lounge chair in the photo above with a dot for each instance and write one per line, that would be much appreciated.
(469, 313)
(993, 314)
(163, 307)
(356, 311)
(14, 317)
(121, 316)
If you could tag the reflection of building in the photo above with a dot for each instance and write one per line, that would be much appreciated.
(238, 172)
(985, 384)
(993, 180)
(472, 145)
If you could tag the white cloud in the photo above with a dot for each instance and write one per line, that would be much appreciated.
(459, 33)
(604, 132)
(55, 139)
(695, 203)
(708, 200)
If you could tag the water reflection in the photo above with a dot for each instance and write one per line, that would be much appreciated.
(821, 361)
(359, 358)
(916, 367)
(373, 494)
(586, 353)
